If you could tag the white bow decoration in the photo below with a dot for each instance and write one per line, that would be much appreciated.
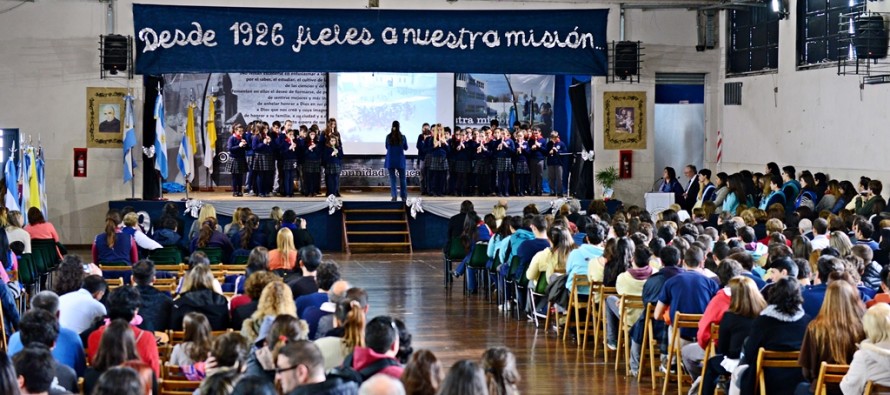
(416, 205)
(334, 204)
(556, 204)
(588, 155)
(149, 151)
(144, 222)
(192, 207)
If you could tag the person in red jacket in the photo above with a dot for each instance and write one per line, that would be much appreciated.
(123, 304)
(381, 347)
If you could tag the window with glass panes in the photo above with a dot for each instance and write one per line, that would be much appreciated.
(818, 23)
(753, 40)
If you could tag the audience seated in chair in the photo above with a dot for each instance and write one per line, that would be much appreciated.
(156, 305)
(34, 370)
(381, 340)
(120, 343)
(303, 282)
(123, 304)
(284, 257)
(68, 348)
(871, 360)
(297, 226)
(349, 328)
(229, 353)
(275, 300)
(40, 329)
(195, 344)
(327, 274)
(321, 319)
(300, 368)
(279, 332)
(209, 236)
(79, 295)
(114, 247)
(243, 306)
(198, 295)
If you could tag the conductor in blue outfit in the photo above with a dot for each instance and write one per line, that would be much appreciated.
(396, 145)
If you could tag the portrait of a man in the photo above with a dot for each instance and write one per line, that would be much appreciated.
(109, 119)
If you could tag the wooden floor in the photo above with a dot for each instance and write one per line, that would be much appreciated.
(456, 327)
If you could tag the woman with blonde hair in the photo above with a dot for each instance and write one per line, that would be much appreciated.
(14, 231)
(285, 256)
(871, 360)
(198, 295)
(833, 335)
(207, 211)
(746, 303)
(349, 328)
(276, 299)
(841, 242)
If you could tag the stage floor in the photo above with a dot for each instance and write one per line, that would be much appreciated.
(346, 196)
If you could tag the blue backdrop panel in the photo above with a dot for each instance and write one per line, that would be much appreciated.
(189, 39)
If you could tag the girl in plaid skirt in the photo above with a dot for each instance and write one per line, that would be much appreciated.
(237, 165)
(521, 164)
(462, 162)
(332, 156)
(263, 161)
(504, 157)
(312, 163)
(289, 156)
(437, 161)
(482, 165)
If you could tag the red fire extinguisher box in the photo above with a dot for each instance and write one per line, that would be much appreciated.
(625, 163)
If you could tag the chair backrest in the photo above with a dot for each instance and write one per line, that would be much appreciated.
(170, 255)
(27, 271)
(876, 389)
(166, 281)
(682, 320)
(176, 337)
(214, 254)
(541, 285)
(715, 333)
(172, 372)
(45, 254)
(114, 283)
(456, 250)
(631, 302)
(230, 269)
(774, 359)
(178, 387)
(480, 255)
(177, 268)
(829, 374)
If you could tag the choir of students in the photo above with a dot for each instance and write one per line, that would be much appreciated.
(265, 154)
(490, 160)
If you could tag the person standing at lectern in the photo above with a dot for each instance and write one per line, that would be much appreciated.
(396, 145)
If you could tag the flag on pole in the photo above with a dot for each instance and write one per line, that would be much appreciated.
(30, 183)
(187, 149)
(129, 139)
(26, 190)
(161, 138)
(41, 180)
(719, 148)
(12, 187)
(210, 135)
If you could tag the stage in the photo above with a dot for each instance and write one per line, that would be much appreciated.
(428, 229)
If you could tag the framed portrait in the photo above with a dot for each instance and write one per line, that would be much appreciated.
(105, 115)
(624, 120)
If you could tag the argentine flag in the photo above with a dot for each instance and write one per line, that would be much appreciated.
(161, 138)
(12, 188)
(186, 159)
(129, 140)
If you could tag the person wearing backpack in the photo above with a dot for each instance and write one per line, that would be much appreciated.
(300, 370)
(377, 356)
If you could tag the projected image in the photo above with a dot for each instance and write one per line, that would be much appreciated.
(367, 103)
(480, 98)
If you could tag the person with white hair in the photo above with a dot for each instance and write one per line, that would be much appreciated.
(381, 384)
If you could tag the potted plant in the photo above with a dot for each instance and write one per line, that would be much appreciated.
(607, 178)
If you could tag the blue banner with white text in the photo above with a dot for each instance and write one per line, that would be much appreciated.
(192, 39)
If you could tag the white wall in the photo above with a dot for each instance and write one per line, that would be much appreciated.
(668, 38)
(49, 56)
(818, 120)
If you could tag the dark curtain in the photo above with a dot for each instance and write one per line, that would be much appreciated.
(581, 171)
(151, 185)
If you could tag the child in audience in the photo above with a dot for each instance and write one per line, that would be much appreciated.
(500, 371)
(196, 341)
(871, 360)
(423, 373)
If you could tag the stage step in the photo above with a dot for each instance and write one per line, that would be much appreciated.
(368, 222)
(376, 230)
(374, 211)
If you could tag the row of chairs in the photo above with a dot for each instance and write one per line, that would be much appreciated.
(580, 314)
(170, 255)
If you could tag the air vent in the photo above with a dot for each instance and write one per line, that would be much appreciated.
(732, 94)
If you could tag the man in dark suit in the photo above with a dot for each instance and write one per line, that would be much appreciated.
(691, 194)
(456, 223)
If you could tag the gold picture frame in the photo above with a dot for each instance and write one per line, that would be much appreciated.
(105, 114)
(624, 120)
